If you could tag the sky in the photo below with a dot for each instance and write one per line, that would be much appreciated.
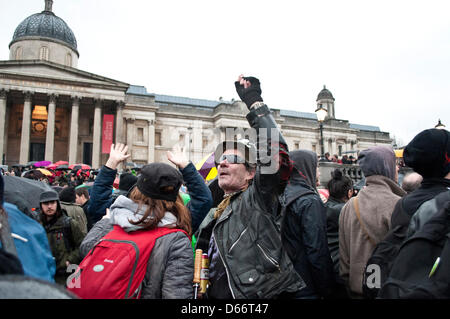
(387, 63)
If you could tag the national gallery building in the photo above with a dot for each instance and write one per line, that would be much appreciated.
(51, 110)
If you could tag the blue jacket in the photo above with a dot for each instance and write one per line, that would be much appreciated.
(31, 244)
(201, 197)
(100, 197)
(199, 205)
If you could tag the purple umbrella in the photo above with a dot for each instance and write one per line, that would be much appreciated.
(42, 164)
(207, 167)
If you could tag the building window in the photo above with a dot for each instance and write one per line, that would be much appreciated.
(69, 59)
(158, 138)
(340, 150)
(140, 134)
(314, 148)
(297, 145)
(43, 53)
(18, 55)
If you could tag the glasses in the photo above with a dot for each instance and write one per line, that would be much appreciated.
(231, 159)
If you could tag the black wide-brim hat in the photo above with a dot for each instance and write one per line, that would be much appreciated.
(160, 181)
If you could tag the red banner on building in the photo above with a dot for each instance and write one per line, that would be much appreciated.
(107, 133)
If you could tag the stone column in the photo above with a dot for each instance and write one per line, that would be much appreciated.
(119, 128)
(96, 143)
(197, 141)
(3, 100)
(333, 146)
(151, 141)
(50, 136)
(119, 122)
(73, 138)
(130, 133)
(26, 128)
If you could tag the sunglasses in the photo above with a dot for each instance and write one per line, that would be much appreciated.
(231, 159)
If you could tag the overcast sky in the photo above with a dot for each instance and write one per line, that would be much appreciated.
(387, 63)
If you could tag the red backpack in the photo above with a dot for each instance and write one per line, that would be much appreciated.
(115, 267)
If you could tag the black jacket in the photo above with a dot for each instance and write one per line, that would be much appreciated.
(427, 211)
(405, 208)
(334, 207)
(246, 235)
(304, 230)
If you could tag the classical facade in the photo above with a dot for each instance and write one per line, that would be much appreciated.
(51, 110)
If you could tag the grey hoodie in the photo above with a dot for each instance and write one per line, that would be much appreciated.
(124, 210)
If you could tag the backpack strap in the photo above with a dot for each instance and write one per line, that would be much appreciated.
(358, 215)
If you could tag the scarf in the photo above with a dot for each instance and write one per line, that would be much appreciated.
(225, 202)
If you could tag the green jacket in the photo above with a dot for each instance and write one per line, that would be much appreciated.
(77, 213)
(64, 236)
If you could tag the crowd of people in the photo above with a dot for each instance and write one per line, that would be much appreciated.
(344, 159)
(265, 230)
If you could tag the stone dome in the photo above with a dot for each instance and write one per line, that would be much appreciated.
(325, 94)
(45, 25)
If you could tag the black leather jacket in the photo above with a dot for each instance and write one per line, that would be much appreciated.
(246, 236)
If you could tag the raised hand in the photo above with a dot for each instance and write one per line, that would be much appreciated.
(117, 154)
(178, 157)
(248, 89)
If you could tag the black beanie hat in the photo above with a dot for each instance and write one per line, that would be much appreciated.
(126, 181)
(429, 153)
(160, 181)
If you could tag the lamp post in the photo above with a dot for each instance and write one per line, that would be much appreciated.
(440, 126)
(321, 114)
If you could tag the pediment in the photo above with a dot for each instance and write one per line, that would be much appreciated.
(44, 71)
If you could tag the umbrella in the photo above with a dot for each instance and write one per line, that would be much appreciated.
(79, 166)
(62, 167)
(45, 171)
(207, 167)
(88, 185)
(23, 191)
(42, 164)
(52, 166)
(61, 163)
(58, 164)
(30, 163)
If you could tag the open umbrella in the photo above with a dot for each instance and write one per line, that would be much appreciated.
(30, 163)
(44, 171)
(62, 163)
(58, 164)
(23, 191)
(42, 164)
(62, 167)
(79, 166)
(207, 167)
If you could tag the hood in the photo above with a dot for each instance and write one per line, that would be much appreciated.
(378, 160)
(124, 210)
(305, 167)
